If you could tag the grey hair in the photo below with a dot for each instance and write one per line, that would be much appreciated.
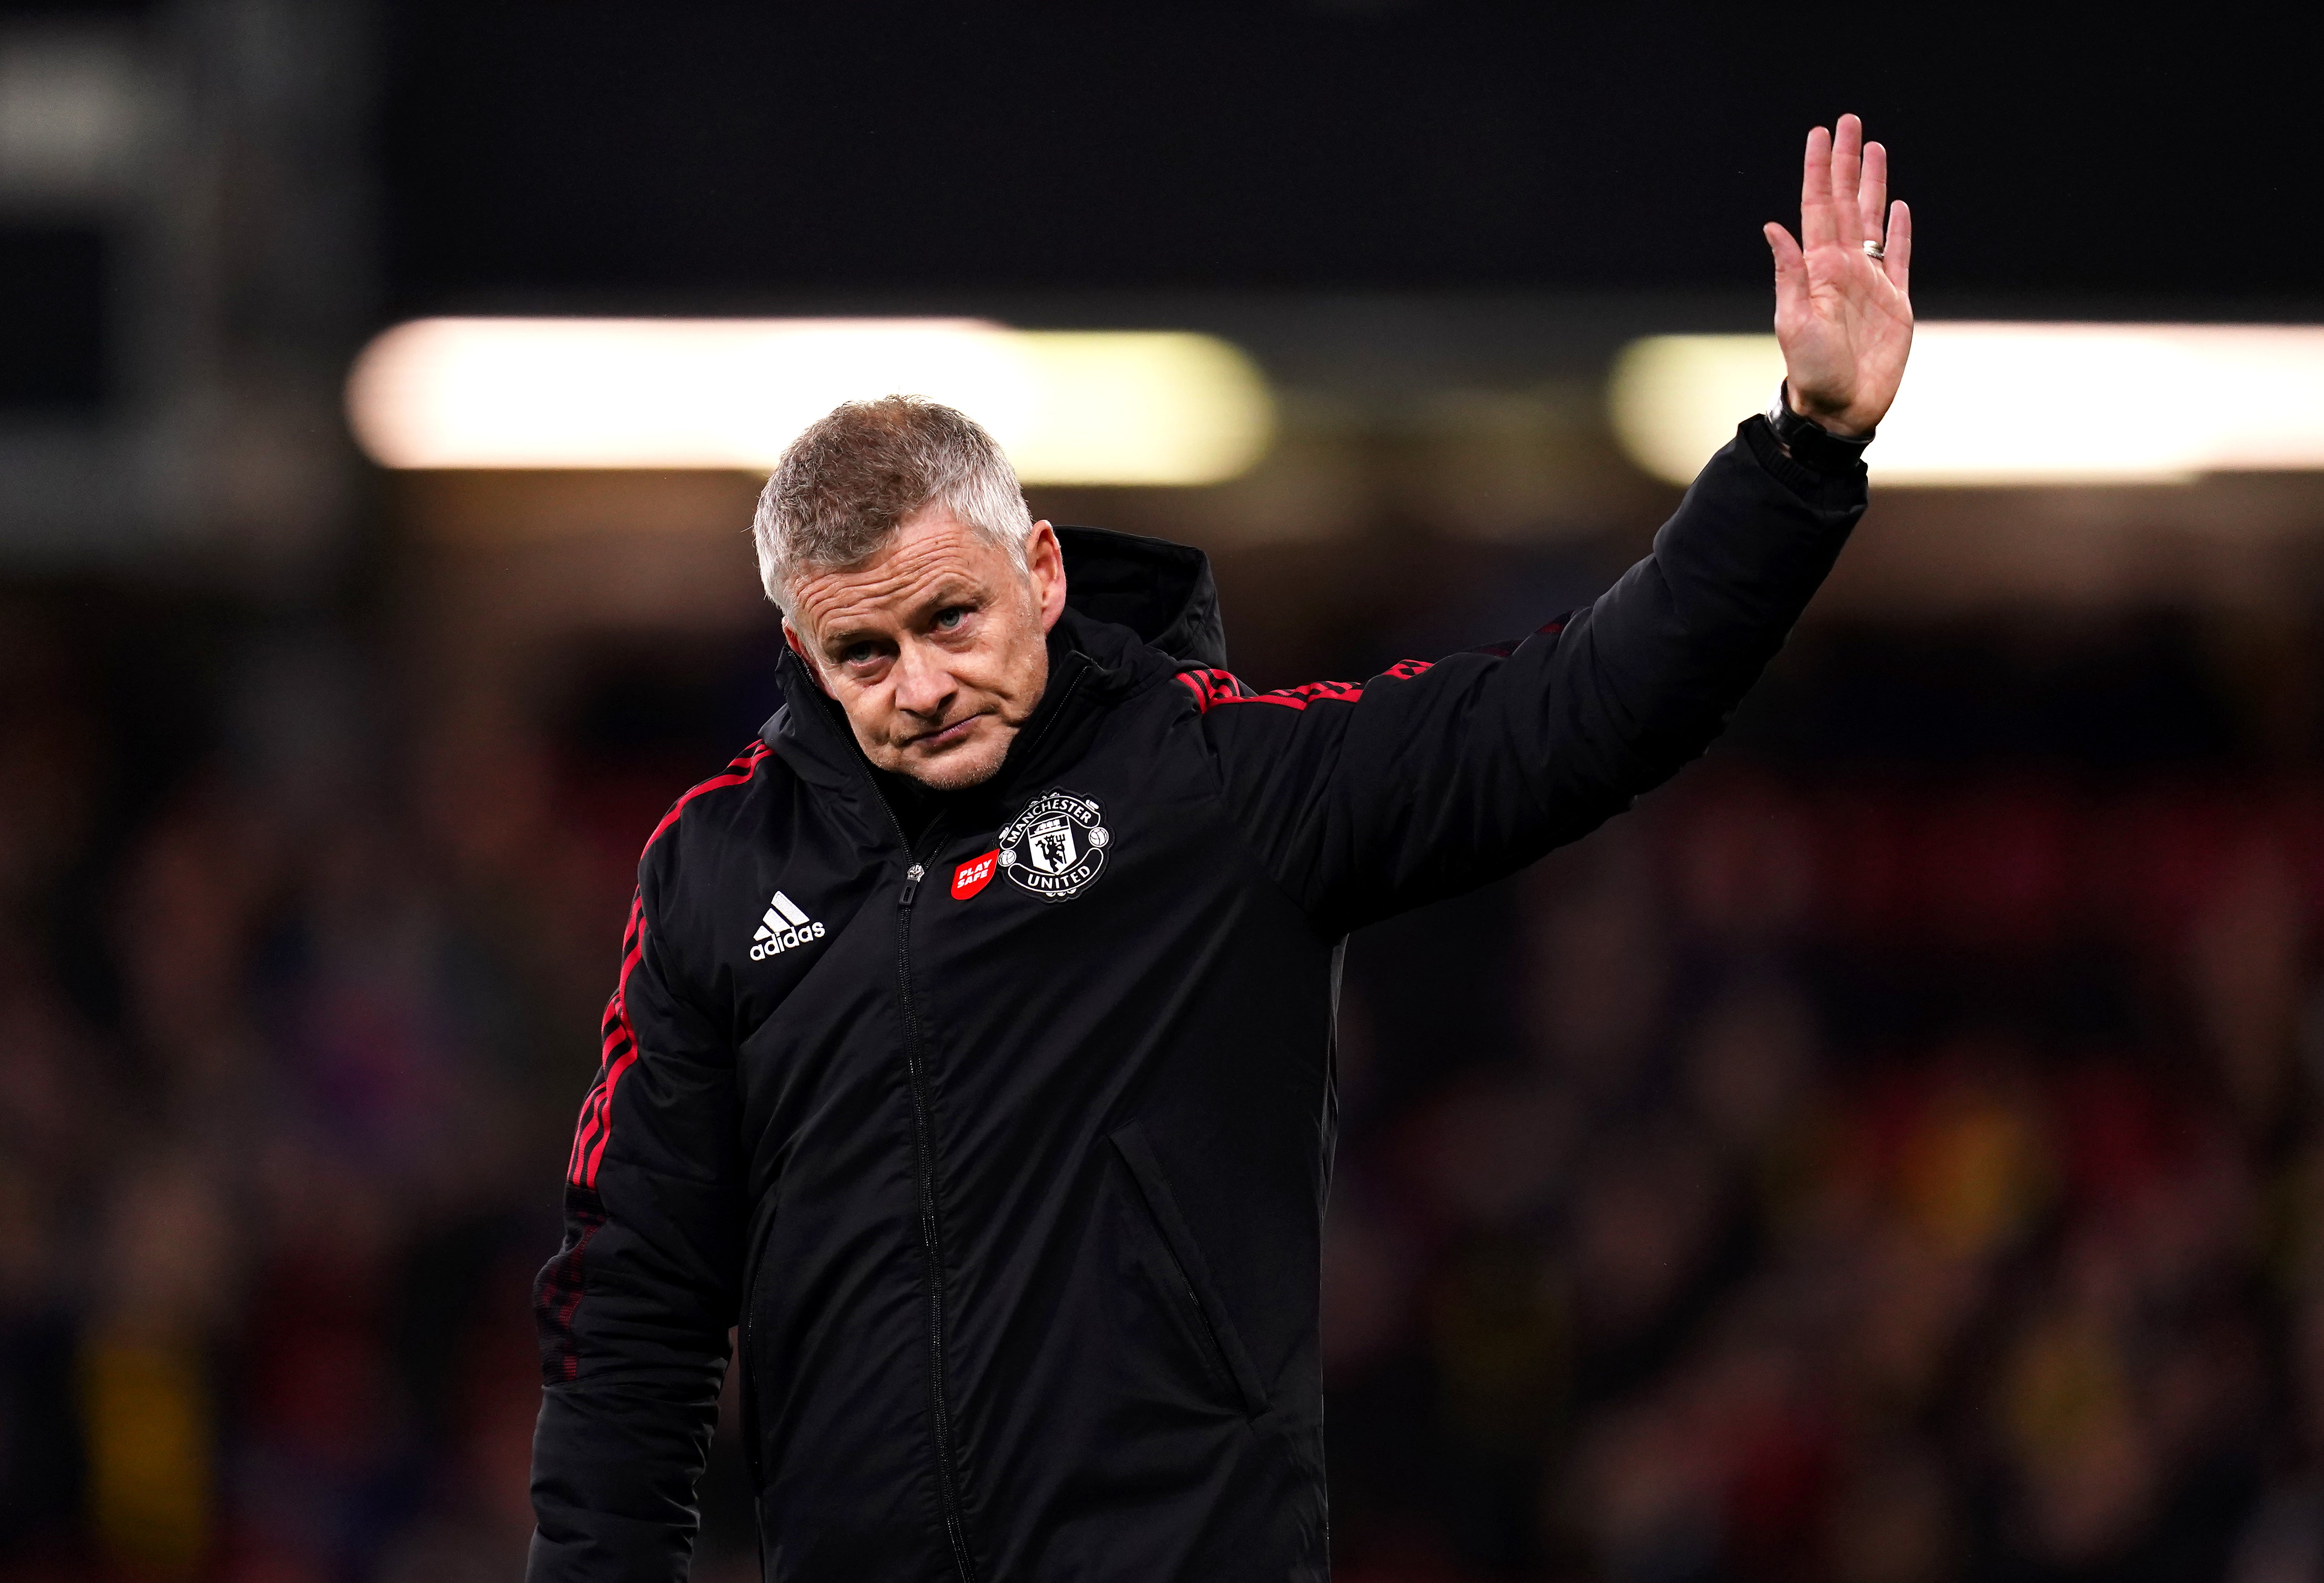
(844, 487)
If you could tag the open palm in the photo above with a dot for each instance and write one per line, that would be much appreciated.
(1844, 316)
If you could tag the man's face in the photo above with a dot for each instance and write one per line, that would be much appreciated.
(936, 646)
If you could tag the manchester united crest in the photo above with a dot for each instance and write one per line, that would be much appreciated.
(1057, 847)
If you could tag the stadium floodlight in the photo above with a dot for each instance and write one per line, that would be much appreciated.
(1069, 407)
(2008, 403)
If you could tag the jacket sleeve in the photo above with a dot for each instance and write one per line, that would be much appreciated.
(633, 1312)
(1430, 779)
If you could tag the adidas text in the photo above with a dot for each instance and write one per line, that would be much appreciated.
(784, 927)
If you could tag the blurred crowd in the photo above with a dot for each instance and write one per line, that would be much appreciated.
(1823, 1174)
(1882, 1181)
(298, 1007)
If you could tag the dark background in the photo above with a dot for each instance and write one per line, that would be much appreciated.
(1890, 1155)
(741, 150)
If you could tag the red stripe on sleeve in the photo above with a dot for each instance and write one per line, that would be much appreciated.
(1213, 687)
(620, 1051)
(739, 772)
(596, 1125)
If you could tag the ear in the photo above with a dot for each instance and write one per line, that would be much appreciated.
(798, 647)
(1045, 565)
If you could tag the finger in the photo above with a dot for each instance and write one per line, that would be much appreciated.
(1791, 267)
(1817, 226)
(1847, 176)
(1899, 260)
(1872, 192)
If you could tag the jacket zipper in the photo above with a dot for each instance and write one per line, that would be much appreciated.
(924, 1149)
(925, 1184)
(931, 1243)
(924, 1158)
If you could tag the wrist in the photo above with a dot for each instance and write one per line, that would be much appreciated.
(1830, 422)
(1811, 441)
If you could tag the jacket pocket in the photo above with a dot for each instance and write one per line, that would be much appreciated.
(746, 1358)
(1179, 1241)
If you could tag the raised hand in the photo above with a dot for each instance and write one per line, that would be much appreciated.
(1843, 313)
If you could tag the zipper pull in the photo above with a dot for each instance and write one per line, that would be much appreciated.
(912, 877)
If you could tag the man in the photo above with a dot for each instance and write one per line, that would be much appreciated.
(971, 1051)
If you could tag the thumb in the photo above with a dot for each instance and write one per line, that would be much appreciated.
(1791, 266)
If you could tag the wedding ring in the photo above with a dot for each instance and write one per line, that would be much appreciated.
(1874, 250)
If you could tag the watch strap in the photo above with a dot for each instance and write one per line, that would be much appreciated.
(1810, 443)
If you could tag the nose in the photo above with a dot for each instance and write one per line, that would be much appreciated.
(924, 686)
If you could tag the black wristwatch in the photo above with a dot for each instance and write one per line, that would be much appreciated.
(1810, 444)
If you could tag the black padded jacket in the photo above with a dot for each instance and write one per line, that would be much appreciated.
(1006, 1148)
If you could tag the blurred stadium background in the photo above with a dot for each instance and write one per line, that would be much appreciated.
(1895, 1154)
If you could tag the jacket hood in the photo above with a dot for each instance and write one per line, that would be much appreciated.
(1160, 590)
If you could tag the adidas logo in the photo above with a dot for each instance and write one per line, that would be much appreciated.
(783, 927)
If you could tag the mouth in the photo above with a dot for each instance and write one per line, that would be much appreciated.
(949, 736)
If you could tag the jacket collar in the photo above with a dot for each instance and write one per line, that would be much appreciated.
(1095, 660)
(1161, 591)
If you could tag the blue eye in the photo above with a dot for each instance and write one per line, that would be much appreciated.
(949, 619)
